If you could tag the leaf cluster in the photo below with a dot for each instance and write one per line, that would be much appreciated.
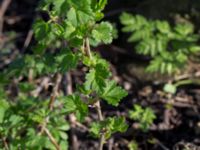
(108, 126)
(144, 116)
(72, 21)
(21, 122)
(170, 47)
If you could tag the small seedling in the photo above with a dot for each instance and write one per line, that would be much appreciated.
(144, 116)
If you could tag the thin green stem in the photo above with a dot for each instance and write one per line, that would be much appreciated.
(97, 104)
(51, 105)
(99, 112)
(52, 139)
(187, 81)
(87, 48)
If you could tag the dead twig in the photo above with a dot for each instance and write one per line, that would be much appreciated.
(28, 39)
(3, 8)
(72, 118)
(55, 90)
(44, 84)
(110, 144)
(51, 104)
(78, 124)
(5, 144)
(187, 76)
(161, 145)
(52, 139)
(100, 116)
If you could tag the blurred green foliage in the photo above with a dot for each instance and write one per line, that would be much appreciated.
(170, 47)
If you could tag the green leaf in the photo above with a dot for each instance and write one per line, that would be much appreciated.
(119, 124)
(112, 93)
(184, 29)
(72, 18)
(26, 87)
(133, 145)
(127, 19)
(163, 26)
(170, 88)
(95, 129)
(3, 108)
(39, 49)
(63, 135)
(64, 144)
(64, 127)
(194, 48)
(41, 29)
(83, 10)
(136, 114)
(95, 79)
(103, 33)
(57, 29)
(15, 119)
(37, 141)
(74, 104)
(108, 126)
(69, 61)
(140, 34)
(46, 33)
(60, 6)
(96, 59)
(98, 6)
(145, 116)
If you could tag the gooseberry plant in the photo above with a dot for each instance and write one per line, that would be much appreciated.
(78, 27)
(144, 116)
(170, 47)
(72, 29)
